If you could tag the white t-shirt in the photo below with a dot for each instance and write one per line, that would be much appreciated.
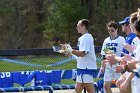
(137, 50)
(135, 43)
(137, 57)
(116, 45)
(86, 43)
(136, 81)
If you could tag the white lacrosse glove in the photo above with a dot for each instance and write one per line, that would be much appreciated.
(68, 48)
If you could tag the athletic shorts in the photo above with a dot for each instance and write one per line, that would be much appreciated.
(110, 74)
(84, 78)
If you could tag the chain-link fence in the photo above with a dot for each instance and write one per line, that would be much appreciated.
(39, 60)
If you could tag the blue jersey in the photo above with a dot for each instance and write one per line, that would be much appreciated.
(6, 79)
(129, 40)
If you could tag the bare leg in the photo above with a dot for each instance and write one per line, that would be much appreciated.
(89, 87)
(107, 86)
(79, 87)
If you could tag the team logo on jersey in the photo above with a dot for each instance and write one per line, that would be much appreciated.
(112, 46)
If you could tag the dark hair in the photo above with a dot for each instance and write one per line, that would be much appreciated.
(126, 24)
(137, 27)
(112, 24)
(85, 22)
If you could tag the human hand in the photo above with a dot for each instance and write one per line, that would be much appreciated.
(131, 64)
(120, 81)
(123, 61)
(129, 47)
(118, 69)
(62, 50)
(123, 86)
(125, 58)
(138, 15)
(68, 48)
(102, 70)
(104, 63)
(110, 57)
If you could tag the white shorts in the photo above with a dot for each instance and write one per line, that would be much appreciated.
(84, 78)
(135, 84)
(110, 74)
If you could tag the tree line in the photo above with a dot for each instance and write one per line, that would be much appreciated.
(41, 23)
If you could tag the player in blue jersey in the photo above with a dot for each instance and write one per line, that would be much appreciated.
(129, 31)
(130, 36)
(136, 80)
(115, 43)
(135, 62)
(124, 82)
(86, 58)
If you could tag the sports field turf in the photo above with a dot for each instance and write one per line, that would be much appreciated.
(40, 60)
(43, 61)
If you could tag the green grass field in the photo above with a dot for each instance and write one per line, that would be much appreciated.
(41, 60)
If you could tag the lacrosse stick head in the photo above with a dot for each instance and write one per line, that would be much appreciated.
(58, 49)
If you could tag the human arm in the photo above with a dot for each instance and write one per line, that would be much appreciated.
(138, 15)
(132, 64)
(129, 47)
(112, 58)
(78, 53)
(124, 64)
(124, 85)
(120, 81)
(103, 65)
(118, 69)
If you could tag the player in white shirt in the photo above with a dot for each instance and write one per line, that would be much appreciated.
(115, 43)
(135, 64)
(86, 59)
(136, 80)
